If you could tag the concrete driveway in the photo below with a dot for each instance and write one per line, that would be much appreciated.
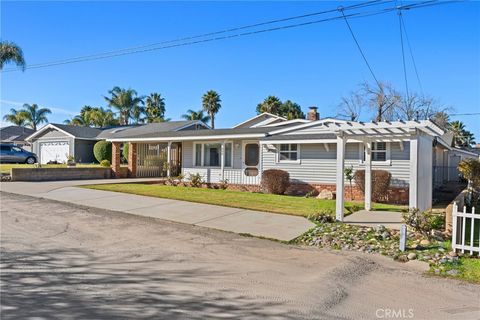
(262, 224)
(61, 261)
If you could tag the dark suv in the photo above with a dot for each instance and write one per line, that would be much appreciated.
(13, 154)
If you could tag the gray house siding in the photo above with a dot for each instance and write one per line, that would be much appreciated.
(318, 166)
(84, 151)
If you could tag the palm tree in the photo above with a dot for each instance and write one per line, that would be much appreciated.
(291, 110)
(125, 100)
(211, 105)
(196, 115)
(11, 53)
(101, 117)
(15, 117)
(457, 128)
(137, 114)
(271, 104)
(155, 107)
(35, 115)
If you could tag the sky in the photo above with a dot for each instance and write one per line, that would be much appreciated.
(315, 64)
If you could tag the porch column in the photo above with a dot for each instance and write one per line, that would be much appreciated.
(116, 159)
(340, 177)
(368, 176)
(169, 153)
(132, 160)
(413, 184)
(222, 160)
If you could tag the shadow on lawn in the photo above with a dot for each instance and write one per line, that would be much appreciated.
(75, 284)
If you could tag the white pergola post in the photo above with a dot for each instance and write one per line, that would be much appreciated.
(413, 185)
(222, 160)
(340, 177)
(368, 176)
(169, 153)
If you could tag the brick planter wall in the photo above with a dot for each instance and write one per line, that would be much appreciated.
(54, 174)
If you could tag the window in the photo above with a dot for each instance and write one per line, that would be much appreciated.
(379, 152)
(5, 148)
(210, 154)
(288, 152)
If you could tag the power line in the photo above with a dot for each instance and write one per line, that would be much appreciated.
(411, 54)
(360, 49)
(464, 114)
(403, 53)
(99, 55)
(124, 52)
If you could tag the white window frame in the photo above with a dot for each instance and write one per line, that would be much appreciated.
(387, 162)
(278, 160)
(203, 143)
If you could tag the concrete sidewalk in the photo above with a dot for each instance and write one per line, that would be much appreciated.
(263, 224)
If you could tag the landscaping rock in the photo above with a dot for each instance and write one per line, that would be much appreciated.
(325, 195)
(412, 256)
(425, 242)
(452, 254)
(452, 272)
(403, 258)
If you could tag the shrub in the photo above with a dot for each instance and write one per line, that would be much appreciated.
(223, 184)
(422, 222)
(102, 150)
(275, 181)
(105, 163)
(196, 180)
(324, 216)
(380, 183)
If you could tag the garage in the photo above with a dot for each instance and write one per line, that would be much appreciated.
(54, 151)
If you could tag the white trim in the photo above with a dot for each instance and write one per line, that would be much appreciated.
(277, 155)
(257, 116)
(190, 138)
(51, 126)
(454, 149)
(202, 160)
(298, 141)
(288, 122)
(306, 125)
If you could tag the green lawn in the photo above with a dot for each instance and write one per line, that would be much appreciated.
(5, 168)
(238, 199)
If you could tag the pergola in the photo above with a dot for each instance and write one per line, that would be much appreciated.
(420, 134)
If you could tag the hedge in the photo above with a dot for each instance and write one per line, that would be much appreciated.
(380, 183)
(102, 150)
(275, 181)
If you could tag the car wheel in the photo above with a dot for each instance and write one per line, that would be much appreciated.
(30, 160)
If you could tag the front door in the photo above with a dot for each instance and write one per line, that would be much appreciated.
(251, 163)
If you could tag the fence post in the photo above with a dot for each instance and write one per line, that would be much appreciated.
(464, 222)
(454, 226)
(472, 228)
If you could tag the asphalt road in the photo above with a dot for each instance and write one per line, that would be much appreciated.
(60, 261)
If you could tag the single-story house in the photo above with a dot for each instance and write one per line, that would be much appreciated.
(56, 142)
(16, 135)
(314, 151)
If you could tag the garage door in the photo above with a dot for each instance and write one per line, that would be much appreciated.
(54, 151)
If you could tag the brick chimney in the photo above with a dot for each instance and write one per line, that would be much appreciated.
(313, 114)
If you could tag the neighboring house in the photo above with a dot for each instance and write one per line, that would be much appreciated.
(16, 135)
(56, 142)
(315, 152)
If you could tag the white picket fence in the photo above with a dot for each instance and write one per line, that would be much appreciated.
(463, 236)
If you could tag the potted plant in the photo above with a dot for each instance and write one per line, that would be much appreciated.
(71, 162)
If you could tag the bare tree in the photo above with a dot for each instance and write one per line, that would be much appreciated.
(384, 100)
(351, 106)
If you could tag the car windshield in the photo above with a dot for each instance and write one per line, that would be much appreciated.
(17, 149)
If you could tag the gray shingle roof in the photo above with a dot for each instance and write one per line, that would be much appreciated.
(199, 133)
(14, 133)
(146, 129)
